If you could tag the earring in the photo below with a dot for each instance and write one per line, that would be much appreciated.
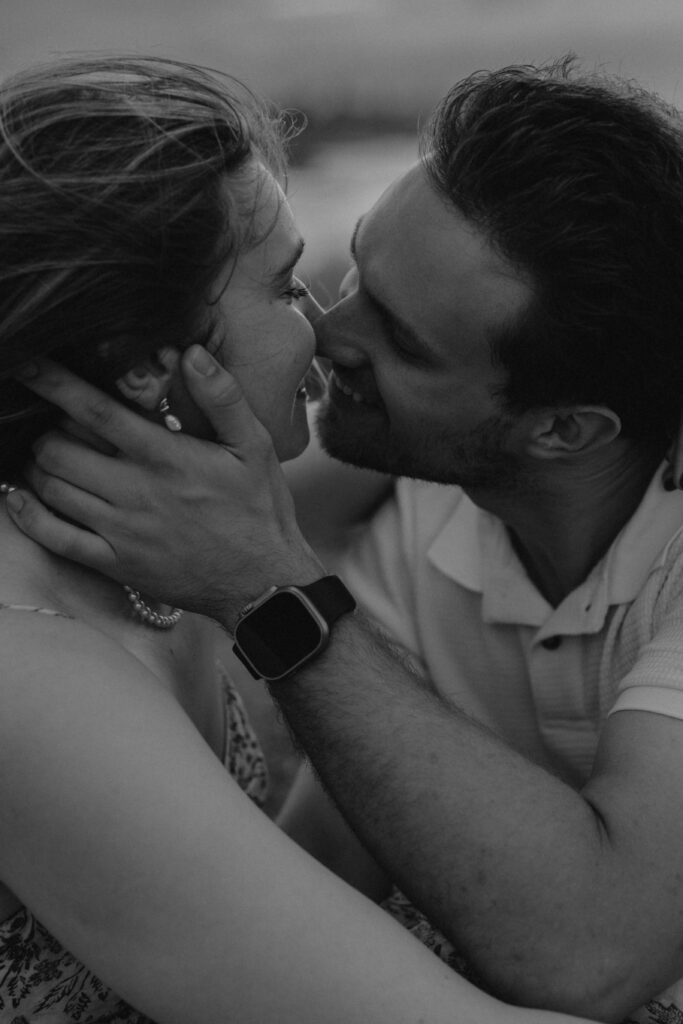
(170, 421)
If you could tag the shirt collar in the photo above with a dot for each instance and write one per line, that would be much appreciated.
(474, 549)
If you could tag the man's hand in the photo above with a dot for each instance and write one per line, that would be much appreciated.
(205, 526)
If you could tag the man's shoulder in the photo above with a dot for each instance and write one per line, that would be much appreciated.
(665, 579)
(435, 518)
(427, 504)
(672, 555)
(404, 527)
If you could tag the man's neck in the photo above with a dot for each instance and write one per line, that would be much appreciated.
(562, 521)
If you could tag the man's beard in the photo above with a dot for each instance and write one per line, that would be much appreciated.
(477, 459)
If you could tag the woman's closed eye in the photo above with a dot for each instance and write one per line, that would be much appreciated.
(295, 291)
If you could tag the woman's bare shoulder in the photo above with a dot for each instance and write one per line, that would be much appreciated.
(52, 659)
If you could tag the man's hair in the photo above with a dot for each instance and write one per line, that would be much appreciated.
(114, 213)
(577, 181)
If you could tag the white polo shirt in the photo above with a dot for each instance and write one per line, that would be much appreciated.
(440, 575)
(442, 578)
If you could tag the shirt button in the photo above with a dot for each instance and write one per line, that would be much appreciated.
(551, 643)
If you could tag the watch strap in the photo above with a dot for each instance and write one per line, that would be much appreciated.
(330, 597)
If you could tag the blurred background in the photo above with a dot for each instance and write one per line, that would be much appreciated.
(366, 74)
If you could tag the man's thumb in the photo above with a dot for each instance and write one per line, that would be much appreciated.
(220, 397)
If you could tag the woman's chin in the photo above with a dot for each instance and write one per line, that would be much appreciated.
(293, 445)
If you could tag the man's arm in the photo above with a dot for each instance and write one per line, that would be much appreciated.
(310, 818)
(564, 899)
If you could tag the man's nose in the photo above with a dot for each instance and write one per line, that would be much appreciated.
(339, 335)
(311, 308)
(349, 283)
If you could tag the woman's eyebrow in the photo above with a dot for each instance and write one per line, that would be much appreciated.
(291, 262)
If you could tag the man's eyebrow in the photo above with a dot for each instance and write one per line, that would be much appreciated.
(290, 263)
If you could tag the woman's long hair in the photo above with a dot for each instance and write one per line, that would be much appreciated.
(115, 216)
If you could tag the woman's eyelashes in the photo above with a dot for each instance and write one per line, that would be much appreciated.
(295, 291)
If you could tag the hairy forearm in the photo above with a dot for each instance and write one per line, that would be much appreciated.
(508, 861)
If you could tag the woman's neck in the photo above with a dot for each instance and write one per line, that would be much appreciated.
(34, 576)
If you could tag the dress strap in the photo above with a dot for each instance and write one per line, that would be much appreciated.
(32, 608)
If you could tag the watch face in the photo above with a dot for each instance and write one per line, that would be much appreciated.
(279, 634)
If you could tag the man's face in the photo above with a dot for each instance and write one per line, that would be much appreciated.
(413, 391)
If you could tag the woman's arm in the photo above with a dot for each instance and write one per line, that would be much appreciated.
(312, 820)
(124, 835)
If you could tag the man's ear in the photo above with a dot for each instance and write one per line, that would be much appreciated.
(574, 430)
(148, 382)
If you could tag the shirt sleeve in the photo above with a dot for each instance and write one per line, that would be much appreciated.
(655, 682)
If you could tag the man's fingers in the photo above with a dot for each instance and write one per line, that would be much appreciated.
(78, 505)
(220, 398)
(74, 429)
(60, 537)
(63, 456)
(92, 409)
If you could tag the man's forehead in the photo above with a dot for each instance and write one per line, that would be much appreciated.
(413, 241)
(413, 219)
(402, 202)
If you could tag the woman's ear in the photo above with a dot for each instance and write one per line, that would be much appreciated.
(148, 382)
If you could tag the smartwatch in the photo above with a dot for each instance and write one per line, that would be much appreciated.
(287, 626)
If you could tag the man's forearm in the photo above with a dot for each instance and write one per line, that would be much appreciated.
(504, 858)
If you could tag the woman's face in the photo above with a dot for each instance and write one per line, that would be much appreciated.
(263, 336)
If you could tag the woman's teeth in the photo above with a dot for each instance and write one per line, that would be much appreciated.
(314, 383)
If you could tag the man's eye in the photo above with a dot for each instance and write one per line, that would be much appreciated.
(402, 348)
(401, 344)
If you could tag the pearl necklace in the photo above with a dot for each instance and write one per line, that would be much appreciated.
(148, 615)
